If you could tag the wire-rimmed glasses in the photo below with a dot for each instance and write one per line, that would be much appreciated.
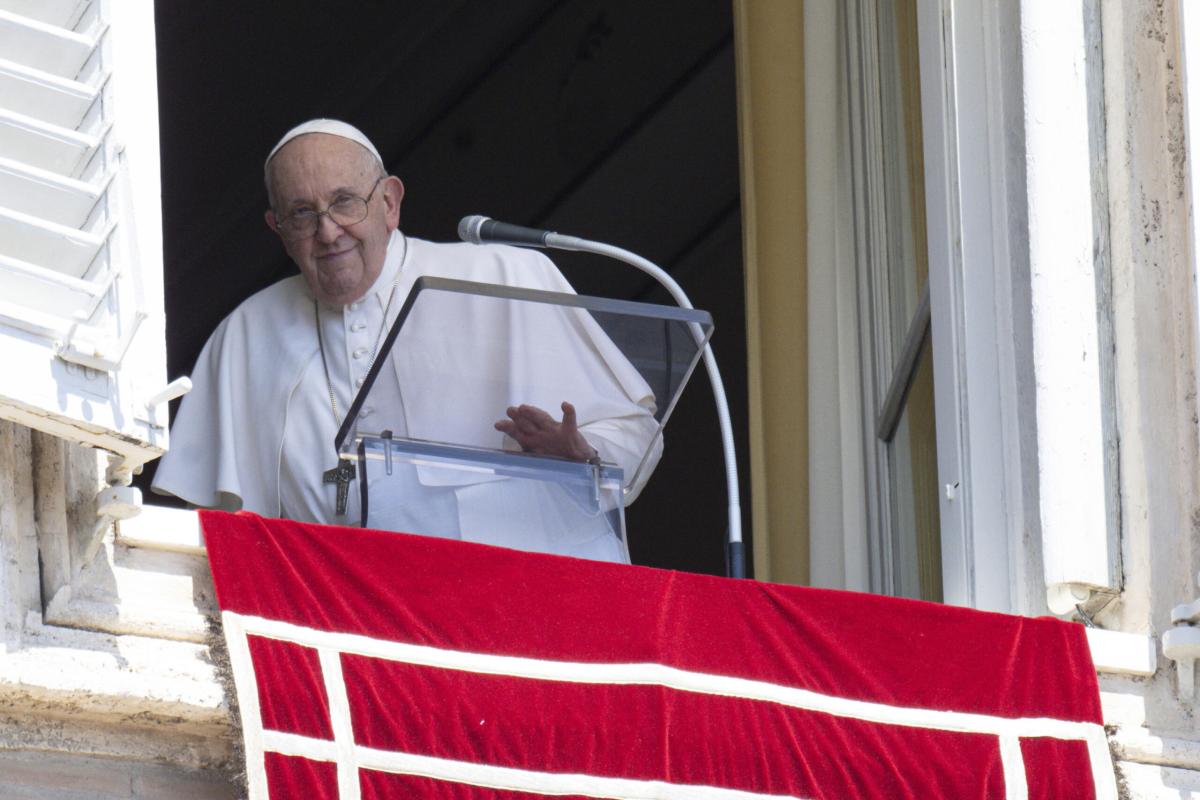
(347, 209)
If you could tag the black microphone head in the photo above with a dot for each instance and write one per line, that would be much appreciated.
(469, 228)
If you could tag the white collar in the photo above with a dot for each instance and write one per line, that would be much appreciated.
(389, 274)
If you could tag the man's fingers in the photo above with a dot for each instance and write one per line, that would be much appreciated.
(531, 420)
(524, 425)
(528, 426)
(536, 415)
(536, 430)
(568, 420)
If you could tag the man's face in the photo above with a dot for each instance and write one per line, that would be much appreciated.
(340, 263)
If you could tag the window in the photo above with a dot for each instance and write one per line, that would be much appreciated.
(81, 320)
(921, 125)
(82, 335)
(893, 290)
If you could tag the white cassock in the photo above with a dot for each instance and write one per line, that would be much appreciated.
(257, 430)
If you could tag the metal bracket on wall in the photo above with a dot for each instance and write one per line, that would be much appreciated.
(1181, 644)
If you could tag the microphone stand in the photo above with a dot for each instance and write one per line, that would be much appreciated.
(526, 237)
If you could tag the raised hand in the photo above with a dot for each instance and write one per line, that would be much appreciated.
(538, 432)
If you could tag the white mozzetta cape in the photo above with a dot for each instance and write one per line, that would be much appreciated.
(228, 439)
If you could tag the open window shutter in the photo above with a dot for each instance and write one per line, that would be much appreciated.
(82, 334)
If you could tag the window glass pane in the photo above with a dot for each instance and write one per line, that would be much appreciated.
(904, 165)
(913, 488)
(913, 543)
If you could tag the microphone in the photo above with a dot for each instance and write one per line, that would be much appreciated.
(478, 229)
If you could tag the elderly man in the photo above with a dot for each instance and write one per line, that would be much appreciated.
(276, 377)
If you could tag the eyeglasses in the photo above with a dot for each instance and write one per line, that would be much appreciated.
(347, 209)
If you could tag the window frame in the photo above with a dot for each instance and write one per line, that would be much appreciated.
(82, 383)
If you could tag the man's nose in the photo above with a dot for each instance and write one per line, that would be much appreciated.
(327, 229)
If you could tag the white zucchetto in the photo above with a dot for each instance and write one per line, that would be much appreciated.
(333, 127)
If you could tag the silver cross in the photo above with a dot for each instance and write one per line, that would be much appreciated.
(342, 474)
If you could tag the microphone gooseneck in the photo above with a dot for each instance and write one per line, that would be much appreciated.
(478, 229)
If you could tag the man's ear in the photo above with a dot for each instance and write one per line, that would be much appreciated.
(393, 196)
(272, 223)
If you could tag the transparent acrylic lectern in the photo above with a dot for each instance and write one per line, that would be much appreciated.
(420, 437)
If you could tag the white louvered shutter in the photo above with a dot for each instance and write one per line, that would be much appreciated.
(82, 334)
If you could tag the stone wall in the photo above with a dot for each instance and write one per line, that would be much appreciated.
(108, 688)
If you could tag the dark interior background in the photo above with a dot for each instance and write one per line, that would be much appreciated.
(611, 120)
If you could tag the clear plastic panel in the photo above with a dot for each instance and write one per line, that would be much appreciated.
(460, 353)
(515, 500)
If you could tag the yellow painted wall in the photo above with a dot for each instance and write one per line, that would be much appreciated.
(769, 40)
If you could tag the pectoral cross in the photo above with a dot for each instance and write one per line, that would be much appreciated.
(342, 474)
